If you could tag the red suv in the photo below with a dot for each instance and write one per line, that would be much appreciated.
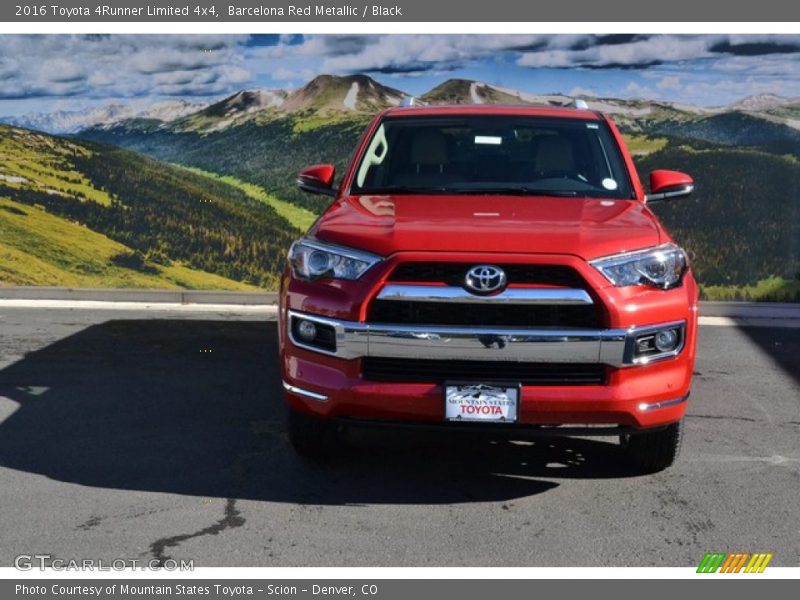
(490, 268)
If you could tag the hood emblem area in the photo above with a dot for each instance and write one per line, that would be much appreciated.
(485, 279)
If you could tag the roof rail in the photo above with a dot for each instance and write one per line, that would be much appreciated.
(412, 101)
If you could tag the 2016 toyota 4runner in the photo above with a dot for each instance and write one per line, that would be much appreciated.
(491, 268)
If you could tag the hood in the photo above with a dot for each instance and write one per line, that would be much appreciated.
(583, 227)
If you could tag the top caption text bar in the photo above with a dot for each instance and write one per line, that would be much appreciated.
(405, 10)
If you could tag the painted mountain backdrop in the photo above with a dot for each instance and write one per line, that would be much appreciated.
(202, 195)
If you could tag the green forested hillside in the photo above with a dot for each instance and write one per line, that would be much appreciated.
(300, 218)
(159, 216)
(40, 248)
(742, 224)
(734, 129)
(227, 203)
(268, 154)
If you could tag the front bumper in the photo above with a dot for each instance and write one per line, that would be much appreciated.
(614, 347)
(634, 393)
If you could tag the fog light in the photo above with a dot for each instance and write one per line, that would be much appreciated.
(645, 344)
(653, 343)
(666, 340)
(307, 330)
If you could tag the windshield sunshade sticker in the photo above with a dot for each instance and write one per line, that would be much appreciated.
(609, 184)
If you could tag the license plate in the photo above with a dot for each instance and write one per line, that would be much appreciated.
(481, 402)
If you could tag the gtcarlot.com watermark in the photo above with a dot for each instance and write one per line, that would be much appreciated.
(30, 562)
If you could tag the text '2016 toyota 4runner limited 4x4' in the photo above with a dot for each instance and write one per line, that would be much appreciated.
(493, 268)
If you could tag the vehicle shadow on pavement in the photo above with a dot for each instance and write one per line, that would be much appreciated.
(195, 407)
(782, 345)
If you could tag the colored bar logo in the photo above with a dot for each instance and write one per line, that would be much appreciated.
(737, 562)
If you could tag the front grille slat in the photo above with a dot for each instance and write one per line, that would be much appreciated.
(439, 371)
(552, 316)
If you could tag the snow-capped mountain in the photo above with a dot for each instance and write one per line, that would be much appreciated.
(761, 102)
(72, 121)
(234, 109)
(326, 95)
(332, 93)
(169, 110)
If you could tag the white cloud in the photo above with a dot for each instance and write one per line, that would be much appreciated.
(579, 91)
(120, 65)
(733, 87)
(643, 92)
(633, 54)
(775, 65)
(682, 68)
(284, 74)
(59, 70)
(8, 68)
(670, 82)
(350, 53)
(403, 52)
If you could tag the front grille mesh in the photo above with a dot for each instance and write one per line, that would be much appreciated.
(439, 371)
(485, 315)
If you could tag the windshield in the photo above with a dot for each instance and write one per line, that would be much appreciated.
(492, 155)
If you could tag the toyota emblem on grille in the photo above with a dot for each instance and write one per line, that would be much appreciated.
(485, 279)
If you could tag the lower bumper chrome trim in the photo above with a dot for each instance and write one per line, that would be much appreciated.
(608, 346)
(308, 394)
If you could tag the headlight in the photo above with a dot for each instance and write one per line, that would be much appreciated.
(312, 260)
(662, 267)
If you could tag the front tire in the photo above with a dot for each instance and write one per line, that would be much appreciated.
(654, 451)
(312, 437)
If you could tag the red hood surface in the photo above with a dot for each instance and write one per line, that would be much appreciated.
(588, 228)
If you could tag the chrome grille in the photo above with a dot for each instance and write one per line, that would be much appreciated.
(452, 273)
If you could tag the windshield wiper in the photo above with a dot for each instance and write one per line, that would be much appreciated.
(524, 191)
(404, 189)
(511, 191)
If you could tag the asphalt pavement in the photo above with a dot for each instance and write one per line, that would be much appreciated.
(146, 434)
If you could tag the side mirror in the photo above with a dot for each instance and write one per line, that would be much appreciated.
(667, 185)
(317, 179)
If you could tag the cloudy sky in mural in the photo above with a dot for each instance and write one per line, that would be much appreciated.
(60, 72)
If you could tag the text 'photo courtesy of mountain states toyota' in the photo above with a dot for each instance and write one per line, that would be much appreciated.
(490, 269)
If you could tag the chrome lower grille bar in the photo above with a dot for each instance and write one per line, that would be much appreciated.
(442, 293)
(609, 346)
